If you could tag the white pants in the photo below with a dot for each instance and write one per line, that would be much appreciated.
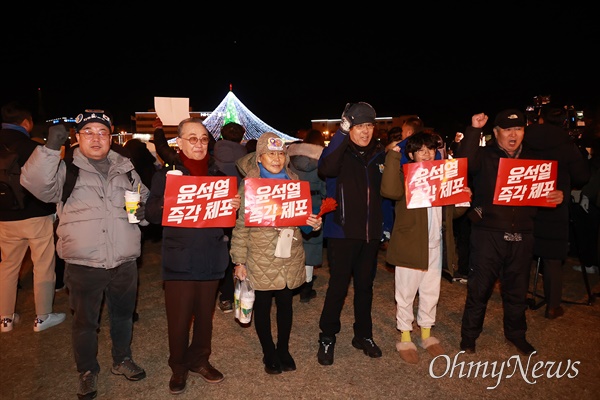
(408, 282)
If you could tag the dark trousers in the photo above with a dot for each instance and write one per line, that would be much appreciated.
(262, 319)
(462, 236)
(553, 281)
(387, 207)
(87, 286)
(226, 284)
(493, 258)
(350, 259)
(189, 304)
(585, 233)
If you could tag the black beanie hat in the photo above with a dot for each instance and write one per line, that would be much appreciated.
(360, 113)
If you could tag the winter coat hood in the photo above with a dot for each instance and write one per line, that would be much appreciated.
(305, 156)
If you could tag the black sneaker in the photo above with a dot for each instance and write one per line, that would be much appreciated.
(458, 277)
(367, 345)
(522, 346)
(467, 345)
(326, 348)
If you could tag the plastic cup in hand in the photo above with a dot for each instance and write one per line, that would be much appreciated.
(131, 204)
(174, 172)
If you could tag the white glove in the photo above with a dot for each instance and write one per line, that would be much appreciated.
(585, 203)
(345, 123)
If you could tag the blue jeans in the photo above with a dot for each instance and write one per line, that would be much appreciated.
(389, 214)
(87, 287)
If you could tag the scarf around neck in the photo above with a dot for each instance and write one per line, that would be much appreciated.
(266, 174)
(196, 167)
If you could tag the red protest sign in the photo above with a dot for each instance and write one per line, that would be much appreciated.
(199, 201)
(435, 183)
(276, 202)
(525, 182)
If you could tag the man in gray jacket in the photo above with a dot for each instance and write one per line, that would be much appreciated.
(98, 244)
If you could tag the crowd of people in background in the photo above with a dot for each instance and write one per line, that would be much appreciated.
(80, 239)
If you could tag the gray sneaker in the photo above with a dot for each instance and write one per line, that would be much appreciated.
(129, 369)
(88, 385)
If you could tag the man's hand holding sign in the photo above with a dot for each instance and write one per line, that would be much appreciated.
(200, 201)
(436, 183)
(523, 182)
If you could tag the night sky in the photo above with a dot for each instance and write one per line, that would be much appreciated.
(441, 64)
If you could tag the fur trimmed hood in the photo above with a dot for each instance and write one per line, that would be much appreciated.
(305, 149)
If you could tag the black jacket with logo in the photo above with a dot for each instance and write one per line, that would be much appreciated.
(483, 165)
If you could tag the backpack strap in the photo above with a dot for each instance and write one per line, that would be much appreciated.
(71, 179)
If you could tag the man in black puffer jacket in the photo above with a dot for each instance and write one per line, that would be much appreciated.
(352, 165)
(501, 235)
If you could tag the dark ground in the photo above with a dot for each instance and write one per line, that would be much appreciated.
(40, 365)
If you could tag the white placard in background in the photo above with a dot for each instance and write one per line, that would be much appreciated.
(172, 110)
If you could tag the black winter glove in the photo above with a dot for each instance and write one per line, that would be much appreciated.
(140, 213)
(57, 136)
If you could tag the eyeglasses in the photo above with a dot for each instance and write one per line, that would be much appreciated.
(89, 134)
(193, 140)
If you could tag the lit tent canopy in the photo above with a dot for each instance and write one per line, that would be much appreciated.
(231, 109)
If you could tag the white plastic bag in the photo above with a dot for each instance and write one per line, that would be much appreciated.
(243, 296)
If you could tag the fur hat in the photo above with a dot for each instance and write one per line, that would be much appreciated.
(269, 141)
(89, 116)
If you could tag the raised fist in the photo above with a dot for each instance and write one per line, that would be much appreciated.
(57, 136)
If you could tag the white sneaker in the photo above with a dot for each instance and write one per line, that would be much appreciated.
(6, 323)
(593, 269)
(52, 319)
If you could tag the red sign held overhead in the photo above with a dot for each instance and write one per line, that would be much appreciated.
(523, 182)
(276, 202)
